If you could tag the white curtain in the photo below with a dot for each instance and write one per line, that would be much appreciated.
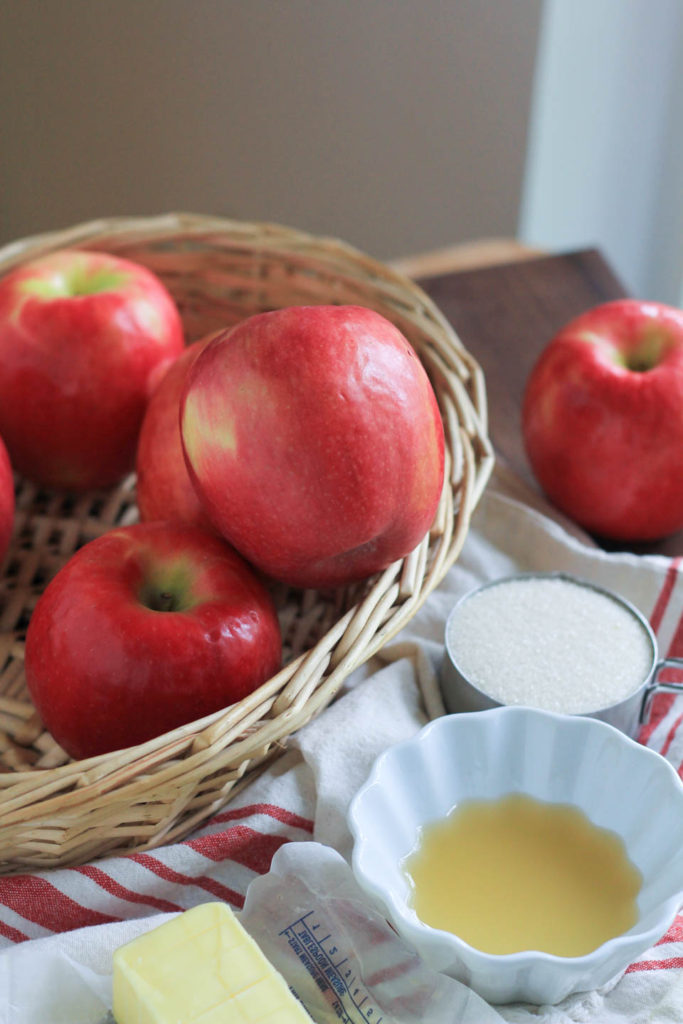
(605, 150)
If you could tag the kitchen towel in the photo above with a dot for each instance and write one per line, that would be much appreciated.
(305, 795)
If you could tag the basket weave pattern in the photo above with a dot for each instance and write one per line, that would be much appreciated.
(54, 811)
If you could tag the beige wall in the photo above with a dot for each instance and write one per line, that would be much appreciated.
(398, 125)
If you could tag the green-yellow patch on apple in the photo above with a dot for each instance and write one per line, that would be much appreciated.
(171, 587)
(223, 434)
(639, 353)
(649, 349)
(78, 281)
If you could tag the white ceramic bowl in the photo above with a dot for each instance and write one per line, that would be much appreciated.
(618, 783)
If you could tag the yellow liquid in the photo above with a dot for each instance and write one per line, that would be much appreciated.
(516, 873)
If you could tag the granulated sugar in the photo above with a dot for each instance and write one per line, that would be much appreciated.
(550, 643)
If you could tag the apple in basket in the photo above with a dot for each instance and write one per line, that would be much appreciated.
(602, 420)
(84, 337)
(6, 500)
(314, 439)
(144, 629)
(164, 489)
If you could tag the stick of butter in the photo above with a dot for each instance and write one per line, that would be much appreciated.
(203, 967)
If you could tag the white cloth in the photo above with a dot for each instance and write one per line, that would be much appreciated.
(305, 795)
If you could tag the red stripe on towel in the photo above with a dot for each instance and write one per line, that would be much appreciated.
(113, 887)
(676, 645)
(272, 810)
(665, 594)
(157, 867)
(675, 932)
(656, 965)
(675, 651)
(671, 735)
(42, 903)
(252, 849)
(13, 934)
(663, 702)
(660, 708)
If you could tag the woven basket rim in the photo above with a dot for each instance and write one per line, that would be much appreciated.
(198, 225)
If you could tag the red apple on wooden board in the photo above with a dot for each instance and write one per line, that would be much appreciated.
(164, 489)
(602, 420)
(314, 439)
(84, 337)
(6, 500)
(144, 629)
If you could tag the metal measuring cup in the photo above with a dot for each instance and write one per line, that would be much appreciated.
(629, 714)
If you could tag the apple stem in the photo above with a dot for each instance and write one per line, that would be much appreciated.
(164, 602)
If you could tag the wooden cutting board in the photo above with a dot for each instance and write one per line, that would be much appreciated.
(505, 315)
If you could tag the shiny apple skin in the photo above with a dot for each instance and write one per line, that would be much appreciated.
(7, 501)
(77, 370)
(313, 436)
(164, 489)
(605, 441)
(105, 671)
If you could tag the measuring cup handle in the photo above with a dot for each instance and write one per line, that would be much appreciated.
(654, 686)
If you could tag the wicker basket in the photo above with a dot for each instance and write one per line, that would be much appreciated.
(54, 811)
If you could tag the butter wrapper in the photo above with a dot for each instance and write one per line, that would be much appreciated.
(339, 954)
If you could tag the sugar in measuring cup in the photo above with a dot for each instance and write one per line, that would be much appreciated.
(554, 642)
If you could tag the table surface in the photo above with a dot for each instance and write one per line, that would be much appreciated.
(505, 315)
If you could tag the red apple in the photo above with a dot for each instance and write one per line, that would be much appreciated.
(144, 629)
(6, 500)
(84, 337)
(313, 436)
(602, 420)
(164, 488)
